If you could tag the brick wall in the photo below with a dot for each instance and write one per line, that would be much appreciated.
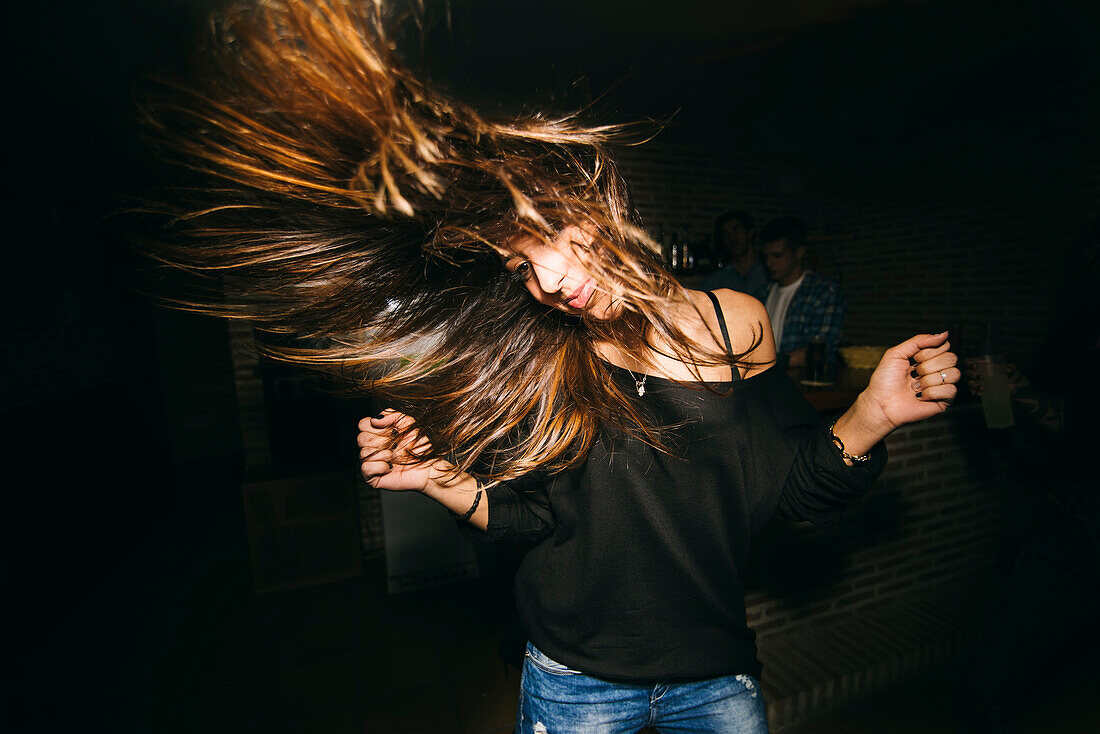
(967, 224)
(677, 184)
(935, 517)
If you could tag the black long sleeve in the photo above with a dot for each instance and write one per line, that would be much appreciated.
(634, 570)
(519, 510)
(820, 485)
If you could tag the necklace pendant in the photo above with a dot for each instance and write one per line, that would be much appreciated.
(640, 384)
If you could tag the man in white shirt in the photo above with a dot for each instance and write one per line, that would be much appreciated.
(800, 303)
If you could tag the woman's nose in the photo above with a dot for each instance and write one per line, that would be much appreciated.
(549, 278)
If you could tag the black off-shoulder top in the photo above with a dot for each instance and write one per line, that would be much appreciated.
(636, 555)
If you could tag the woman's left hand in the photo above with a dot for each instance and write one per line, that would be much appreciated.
(914, 380)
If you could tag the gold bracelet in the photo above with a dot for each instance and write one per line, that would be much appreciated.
(840, 445)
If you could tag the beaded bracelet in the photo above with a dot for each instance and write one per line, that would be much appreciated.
(840, 445)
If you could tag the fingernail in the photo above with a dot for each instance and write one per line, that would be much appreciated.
(916, 385)
(913, 374)
(918, 395)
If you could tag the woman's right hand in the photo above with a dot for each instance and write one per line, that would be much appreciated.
(385, 459)
(388, 447)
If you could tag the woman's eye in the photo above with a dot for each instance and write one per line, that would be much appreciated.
(522, 270)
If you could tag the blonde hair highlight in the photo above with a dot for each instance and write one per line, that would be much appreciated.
(338, 198)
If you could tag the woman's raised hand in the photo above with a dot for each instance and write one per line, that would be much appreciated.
(914, 380)
(386, 459)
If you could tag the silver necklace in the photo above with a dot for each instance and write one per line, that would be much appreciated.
(639, 384)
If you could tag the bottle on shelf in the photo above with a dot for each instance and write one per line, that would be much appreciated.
(687, 256)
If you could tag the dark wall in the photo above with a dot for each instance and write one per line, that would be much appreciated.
(978, 221)
(106, 547)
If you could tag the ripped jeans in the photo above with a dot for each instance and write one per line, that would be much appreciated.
(557, 700)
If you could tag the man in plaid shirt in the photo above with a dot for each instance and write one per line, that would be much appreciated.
(800, 303)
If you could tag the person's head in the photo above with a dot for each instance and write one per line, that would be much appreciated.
(733, 232)
(560, 273)
(345, 200)
(783, 245)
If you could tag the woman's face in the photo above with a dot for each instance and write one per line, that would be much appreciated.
(557, 274)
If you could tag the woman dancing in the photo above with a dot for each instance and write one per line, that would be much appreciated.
(551, 384)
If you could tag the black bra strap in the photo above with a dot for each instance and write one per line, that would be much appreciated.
(725, 333)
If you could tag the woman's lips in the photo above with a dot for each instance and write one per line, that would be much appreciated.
(580, 297)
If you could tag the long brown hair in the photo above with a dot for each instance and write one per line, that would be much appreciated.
(337, 197)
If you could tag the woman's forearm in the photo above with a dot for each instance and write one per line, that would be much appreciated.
(861, 427)
(458, 494)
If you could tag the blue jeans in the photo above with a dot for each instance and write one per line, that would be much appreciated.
(557, 700)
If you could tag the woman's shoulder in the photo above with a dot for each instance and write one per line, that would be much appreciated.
(737, 306)
(747, 323)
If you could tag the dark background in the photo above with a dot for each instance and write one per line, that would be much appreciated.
(111, 559)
